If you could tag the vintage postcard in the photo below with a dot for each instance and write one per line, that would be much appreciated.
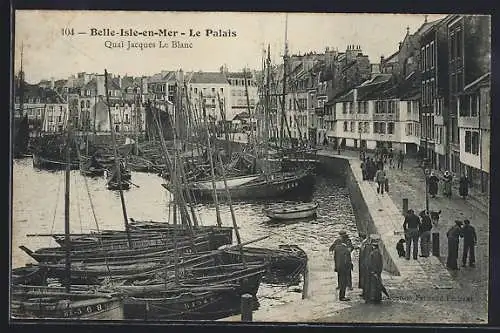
(265, 167)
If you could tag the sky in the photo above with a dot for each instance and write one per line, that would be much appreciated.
(48, 53)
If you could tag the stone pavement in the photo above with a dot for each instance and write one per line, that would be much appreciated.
(409, 183)
(422, 273)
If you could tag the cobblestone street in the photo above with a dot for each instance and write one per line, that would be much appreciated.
(424, 305)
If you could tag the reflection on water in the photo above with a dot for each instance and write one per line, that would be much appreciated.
(38, 207)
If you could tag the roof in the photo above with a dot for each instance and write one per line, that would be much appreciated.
(162, 77)
(46, 95)
(482, 81)
(239, 75)
(367, 90)
(208, 77)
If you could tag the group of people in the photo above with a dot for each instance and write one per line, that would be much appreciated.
(433, 180)
(415, 228)
(370, 266)
(374, 170)
(419, 227)
(468, 233)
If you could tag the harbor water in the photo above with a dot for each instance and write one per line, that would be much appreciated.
(38, 207)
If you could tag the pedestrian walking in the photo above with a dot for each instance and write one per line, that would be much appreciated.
(380, 179)
(375, 264)
(364, 251)
(343, 266)
(391, 158)
(463, 187)
(425, 233)
(411, 226)
(386, 183)
(470, 241)
(448, 178)
(401, 157)
(371, 169)
(453, 234)
(433, 184)
(364, 169)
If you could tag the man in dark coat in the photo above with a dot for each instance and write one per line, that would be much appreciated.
(343, 266)
(453, 235)
(364, 251)
(400, 159)
(425, 233)
(463, 187)
(344, 238)
(433, 184)
(375, 265)
(411, 225)
(470, 241)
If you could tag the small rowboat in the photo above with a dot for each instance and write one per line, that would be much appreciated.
(292, 212)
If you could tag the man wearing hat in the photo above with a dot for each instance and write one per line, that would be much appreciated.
(364, 251)
(470, 240)
(447, 183)
(343, 267)
(375, 264)
(453, 235)
(344, 238)
(411, 226)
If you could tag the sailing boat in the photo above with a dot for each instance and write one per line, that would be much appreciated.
(206, 292)
(67, 302)
(21, 125)
(254, 186)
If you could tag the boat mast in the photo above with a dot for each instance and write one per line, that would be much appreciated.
(267, 66)
(117, 162)
(21, 85)
(212, 165)
(285, 64)
(67, 242)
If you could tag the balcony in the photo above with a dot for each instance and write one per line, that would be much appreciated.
(319, 111)
(470, 122)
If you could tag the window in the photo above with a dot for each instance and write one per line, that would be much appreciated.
(367, 127)
(352, 126)
(382, 128)
(432, 54)
(222, 90)
(195, 90)
(473, 105)
(390, 128)
(408, 107)
(376, 128)
(213, 90)
(468, 141)
(360, 127)
(407, 129)
(344, 108)
(88, 103)
(459, 43)
(475, 143)
(82, 104)
(345, 126)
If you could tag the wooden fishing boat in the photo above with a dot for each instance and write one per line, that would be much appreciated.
(115, 185)
(285, 264)
(204, 297)
(108, 253)
(292, 211)
(280, 184)
(52, 163)
(57, 303)
(29, 274)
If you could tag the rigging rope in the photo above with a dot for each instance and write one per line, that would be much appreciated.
(55, 209)
(78, 206)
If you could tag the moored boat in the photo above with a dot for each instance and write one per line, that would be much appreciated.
(292, 211)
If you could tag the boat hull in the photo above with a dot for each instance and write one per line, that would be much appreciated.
(40, 162)
(292, 212)
(279, 185)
